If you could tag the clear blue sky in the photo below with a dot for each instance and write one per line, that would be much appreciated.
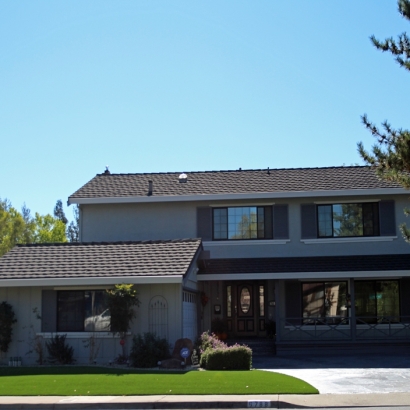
(152, 86)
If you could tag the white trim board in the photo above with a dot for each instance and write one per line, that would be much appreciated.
(244, 196)
(258, 242)
(87, 282)
(303, 275)
(349, 239)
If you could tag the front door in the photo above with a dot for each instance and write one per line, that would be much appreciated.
(245, 308)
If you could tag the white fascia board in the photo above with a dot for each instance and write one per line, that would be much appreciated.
(303, 275)
(87, 282)
(231, 197)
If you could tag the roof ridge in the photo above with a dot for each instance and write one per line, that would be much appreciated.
(233, 170)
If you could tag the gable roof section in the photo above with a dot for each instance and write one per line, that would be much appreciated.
(88, 261)
(214, 183)
(305, 267)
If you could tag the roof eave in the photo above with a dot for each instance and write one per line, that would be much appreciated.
(303, 275)
(136, 280)
(241, 196)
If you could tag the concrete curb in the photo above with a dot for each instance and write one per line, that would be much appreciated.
(205, 402)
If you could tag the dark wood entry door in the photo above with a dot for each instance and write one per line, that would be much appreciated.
(245, 308)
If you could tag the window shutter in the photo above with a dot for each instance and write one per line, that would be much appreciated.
(309, 225)
(280, 222)
(268, 222)
(404, 297)
(204, 223)
(293, 304)
(49, 311)
(387, 218)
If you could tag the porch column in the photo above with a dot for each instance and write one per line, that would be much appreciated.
(352, 310)
(279, 307)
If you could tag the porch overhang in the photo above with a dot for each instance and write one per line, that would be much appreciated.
(306, 268)
(303, 275)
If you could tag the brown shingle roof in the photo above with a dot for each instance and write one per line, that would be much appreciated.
(116, 259)
(232, 182)
(356, 263)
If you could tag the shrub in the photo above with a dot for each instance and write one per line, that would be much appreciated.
(148, 349)
(232, 358)
(59, 352)
(210, 341)
(217, 355)
(7, 319)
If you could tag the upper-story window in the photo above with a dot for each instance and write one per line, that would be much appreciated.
(354, 219)
(245, 222)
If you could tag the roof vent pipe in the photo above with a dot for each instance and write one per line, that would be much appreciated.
(149, 188)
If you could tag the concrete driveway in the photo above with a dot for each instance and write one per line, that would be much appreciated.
(382, 372)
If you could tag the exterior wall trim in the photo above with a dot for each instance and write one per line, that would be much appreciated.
(304, 275)
(349, 239)
(251, 242)
(246, 196)
(87, 282)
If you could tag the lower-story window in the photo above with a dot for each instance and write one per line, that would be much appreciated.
(377, 301)
(324, 302)
(80, 311)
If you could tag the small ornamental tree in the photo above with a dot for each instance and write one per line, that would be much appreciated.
(7, 319)
(121, 302)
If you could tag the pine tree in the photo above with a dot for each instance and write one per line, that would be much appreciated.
(390, 155)
(59, 212)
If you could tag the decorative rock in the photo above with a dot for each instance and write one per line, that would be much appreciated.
(179, 344)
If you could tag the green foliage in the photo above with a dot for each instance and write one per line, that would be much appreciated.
(232, 358)
(121, 301)
(21, 228)
(390, 155)
(209, 341)
(73, 230)
(48, 229)
(59, 212)
(58, 351)
(217, 355)
(7, 319)
(148, 349)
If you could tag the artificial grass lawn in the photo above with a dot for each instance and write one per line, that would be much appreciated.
(101, 381)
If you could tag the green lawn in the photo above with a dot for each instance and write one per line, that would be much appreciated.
(102, 381)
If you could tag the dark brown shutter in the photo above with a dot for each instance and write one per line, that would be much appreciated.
(204, 223)
(48, 311)
(387, 218)
(309, 225)
(293, 302)
(280, 222)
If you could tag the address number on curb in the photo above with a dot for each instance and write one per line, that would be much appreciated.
(258, 404)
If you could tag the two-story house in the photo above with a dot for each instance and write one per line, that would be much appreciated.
(316, 251)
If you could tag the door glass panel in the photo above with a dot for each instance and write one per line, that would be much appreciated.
(261, 300)
(245, 301)
(229, 301)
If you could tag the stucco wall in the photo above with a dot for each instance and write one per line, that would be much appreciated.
(25, 299)
(178, 220)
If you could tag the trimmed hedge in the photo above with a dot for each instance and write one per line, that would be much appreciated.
(229, 358)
